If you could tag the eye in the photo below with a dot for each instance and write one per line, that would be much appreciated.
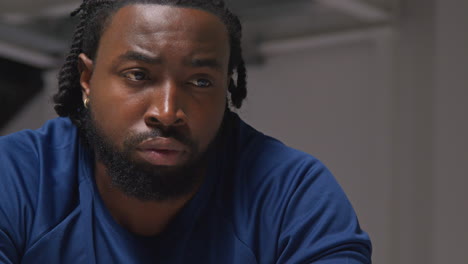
(136, 75)
(203, 83)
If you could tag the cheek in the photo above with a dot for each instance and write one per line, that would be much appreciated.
(208, 121)
(114, 111)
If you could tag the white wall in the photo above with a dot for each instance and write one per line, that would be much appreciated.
(451, 134)
(335, 102)
(413, 134)
(431, 146)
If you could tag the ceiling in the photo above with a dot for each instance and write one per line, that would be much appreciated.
(37, 33)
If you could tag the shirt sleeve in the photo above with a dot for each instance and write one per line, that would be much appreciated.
(16, 196)
(8, 253)
(319, 224)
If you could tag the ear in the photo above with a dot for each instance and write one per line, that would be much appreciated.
(85, 67)
(231, 82)
(229, 79)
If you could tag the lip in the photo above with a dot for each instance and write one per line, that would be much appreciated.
(162, 151)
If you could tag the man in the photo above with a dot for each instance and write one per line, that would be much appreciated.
(148, 164)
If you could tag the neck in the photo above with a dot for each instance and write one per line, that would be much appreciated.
(145, 218)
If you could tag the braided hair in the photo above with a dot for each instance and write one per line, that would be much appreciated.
(95, 15)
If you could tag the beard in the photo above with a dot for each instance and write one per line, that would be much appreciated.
(140, 179)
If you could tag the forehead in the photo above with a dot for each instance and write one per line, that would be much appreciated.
(149, 25)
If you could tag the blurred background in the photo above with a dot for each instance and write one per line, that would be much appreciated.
(374, 88)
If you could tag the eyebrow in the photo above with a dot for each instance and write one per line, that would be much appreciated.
(196, 63)
(210, 63)
(137, 56)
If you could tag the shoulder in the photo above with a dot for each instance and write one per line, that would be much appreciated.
(55, 133)
(30, 161)
(22, 153)
(264, 158)
(287, 204)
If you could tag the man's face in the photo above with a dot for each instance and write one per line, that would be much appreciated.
(158, 84)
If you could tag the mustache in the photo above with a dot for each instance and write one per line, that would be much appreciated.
(171, 132)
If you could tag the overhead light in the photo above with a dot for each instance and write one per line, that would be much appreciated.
(15, 18)
(285, 46)
(60, 10)
(358, 9)
(54, 11)
(27, 57)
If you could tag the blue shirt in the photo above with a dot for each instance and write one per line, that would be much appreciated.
(261, 202)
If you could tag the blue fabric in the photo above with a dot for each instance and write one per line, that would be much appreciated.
(261, 202)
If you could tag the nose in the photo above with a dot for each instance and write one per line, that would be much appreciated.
(165, 107)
